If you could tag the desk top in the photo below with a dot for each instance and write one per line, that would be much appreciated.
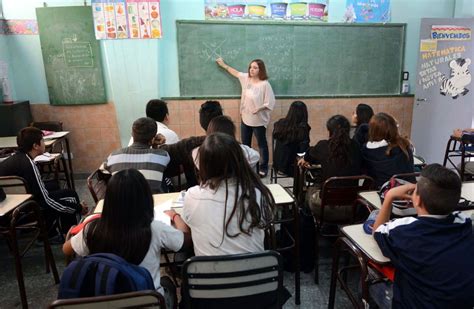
(162, 202)
(280, 195)
(365, 242)
(12, 201)
(373, 198)
(10, 141)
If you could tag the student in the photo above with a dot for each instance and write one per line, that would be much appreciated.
(432, 253)
(126, 228)
(158, 110)
(338, 156)
(361, 118)
(225, 125)
(291, 136)
(59, 204)
(386, 153)
(230, 209)
(149, 161)
(208, 111)
(256, 104)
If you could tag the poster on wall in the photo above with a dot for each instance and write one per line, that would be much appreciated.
(367, 11)
(444, 61)
(274, 10)
(126, 19)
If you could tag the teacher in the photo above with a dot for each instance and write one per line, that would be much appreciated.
(256, 104)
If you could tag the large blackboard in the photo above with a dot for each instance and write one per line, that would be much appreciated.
(71, 55)
(301, 59)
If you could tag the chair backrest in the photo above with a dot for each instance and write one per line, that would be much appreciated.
(13, 185)
(97, 184)
(55, 126)
(140, 299)
(343, 191)
(251, 280)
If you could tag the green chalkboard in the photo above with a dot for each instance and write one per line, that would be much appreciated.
(71, 55)
(301, 59)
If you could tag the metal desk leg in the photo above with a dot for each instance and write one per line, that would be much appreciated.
(71, 173)
(297, 253)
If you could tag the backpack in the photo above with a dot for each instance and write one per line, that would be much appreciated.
(102, 274)
(392, 183)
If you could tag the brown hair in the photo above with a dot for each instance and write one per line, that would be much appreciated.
(383, 126)
(262, 71)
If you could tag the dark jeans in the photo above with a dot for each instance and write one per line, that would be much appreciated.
(260, 133)
(63, 220)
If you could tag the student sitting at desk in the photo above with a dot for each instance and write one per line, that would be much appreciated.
(158, 111)
(63, 204)
(338, 156)
(361, 118)
(386, 153)
(230, 209)
(225, 125)
(291, 136)
(131, 232)
(208, 111)
(149, 161)
(432, 254)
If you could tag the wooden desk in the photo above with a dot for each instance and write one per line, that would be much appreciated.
(12, 201)
(373, 199)
(365, 242)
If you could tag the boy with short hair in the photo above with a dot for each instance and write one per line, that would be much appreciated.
(63, 203)
(208, 111)
(432, 254)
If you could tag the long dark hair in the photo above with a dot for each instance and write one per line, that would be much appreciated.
(383, 126)
(339, 140)
(294, 127)
(220, 161)
(124, 227)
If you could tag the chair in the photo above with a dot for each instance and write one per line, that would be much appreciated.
(274, 173)
(97, 184)
(251, 280)
(24, 218)
(140, 299)
(338, 193)
(462, 148)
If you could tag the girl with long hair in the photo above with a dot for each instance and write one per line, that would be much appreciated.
(126, 227)
(230, 209)
(257, 102)
(361, 118)
(386, 153)
(290, 137)
(338, 156)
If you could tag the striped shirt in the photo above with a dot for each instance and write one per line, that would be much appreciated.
(150, 162)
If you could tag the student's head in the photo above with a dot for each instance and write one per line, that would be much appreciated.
(438, 190)
(124, 227)
(208, 111)
(157, 109)
(257, 69)
(298, 113)
(383, 126)
(222, 162)
(339, 141)
(362, 114)
(30, 138)
(221, 124)
(144, 130)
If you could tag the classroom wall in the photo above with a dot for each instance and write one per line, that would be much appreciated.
(137, 70)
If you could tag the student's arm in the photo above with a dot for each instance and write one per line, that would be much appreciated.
(67, 248)
(228, 68)
(179, 224)
(398, 193)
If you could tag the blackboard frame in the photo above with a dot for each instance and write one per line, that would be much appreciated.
(397, 74)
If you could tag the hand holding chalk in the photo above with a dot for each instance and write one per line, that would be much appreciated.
(220, 61)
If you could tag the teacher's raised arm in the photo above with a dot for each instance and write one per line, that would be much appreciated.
(227, 67)
(256, 104)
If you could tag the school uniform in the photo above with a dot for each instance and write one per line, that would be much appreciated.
(61, 204)
(432, 256)
(361, 134)
(249, 153)
(381, 166)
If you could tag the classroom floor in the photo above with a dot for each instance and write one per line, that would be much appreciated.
(41, 290)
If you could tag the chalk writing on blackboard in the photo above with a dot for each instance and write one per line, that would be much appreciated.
(78, 54)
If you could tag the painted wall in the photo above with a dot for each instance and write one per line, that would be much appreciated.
(137, 70)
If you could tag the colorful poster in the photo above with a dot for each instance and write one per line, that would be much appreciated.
(367, 11)
(450, 33)
(18, 26)
(127, 19)
(274, 10)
